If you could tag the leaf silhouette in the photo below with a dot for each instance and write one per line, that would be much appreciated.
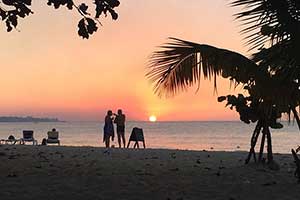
(13, 10)
(83, 8)
(86, 27)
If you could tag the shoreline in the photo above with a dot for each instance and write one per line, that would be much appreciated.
(60, 172)
(227, 136)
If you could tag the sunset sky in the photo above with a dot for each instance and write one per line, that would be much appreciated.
(48, 70)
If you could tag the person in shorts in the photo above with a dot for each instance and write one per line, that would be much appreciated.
(120, 122)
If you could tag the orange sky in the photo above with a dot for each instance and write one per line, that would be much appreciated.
(47, 70)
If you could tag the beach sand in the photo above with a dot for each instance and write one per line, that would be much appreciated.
(44, 172)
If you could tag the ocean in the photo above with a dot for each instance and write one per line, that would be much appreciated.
(217, 136)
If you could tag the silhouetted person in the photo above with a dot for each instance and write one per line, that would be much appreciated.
(108, 129)
(120, 121)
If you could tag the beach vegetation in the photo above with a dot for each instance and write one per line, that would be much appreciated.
(269, 77)
(11, 11)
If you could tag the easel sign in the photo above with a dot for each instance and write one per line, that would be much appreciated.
(137, 135)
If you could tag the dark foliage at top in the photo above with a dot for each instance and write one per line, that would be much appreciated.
(12, 10)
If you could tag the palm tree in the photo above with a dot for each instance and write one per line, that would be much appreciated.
(270, 76)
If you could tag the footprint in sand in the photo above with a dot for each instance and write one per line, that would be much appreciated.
(175, 169)
(269, 183)
(218, 173)
(11, 157)
(2, 154)
(12, 175)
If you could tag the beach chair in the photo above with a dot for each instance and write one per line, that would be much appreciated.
(297, 162)
(28, 137)
(137, 135)
(10, 140)
(53, 137)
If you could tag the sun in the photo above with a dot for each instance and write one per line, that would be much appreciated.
(152, 118)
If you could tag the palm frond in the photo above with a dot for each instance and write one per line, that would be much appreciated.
(276, 57)
(271, 21)
(180, 64)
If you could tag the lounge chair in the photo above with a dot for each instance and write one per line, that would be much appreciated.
(28, 137)
(10, 140)
(137, 135)
(53, 137)
(297, 161)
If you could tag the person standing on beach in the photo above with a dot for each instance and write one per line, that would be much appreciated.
(120, 121)
(109, 131)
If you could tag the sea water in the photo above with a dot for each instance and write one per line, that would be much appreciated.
(218, 136)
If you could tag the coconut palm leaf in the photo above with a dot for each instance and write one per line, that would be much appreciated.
(180, 65)
(271, 21)
(277, 57)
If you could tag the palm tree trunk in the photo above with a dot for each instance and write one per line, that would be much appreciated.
(269, 141)
(262, 145)
(296, 117)
(254, 138)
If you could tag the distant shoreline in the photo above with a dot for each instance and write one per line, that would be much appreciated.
(7, 119)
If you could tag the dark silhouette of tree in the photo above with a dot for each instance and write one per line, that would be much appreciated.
(12, 10)
(270, 76)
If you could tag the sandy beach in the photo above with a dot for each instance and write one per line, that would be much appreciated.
(43, 172)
